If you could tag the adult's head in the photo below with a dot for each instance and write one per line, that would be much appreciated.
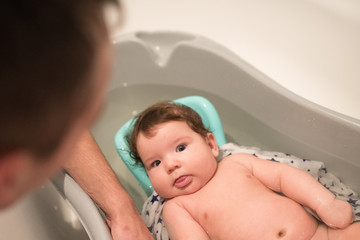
(55, 61)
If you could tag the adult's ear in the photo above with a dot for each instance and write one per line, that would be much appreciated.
(14, 168)
(211, 141)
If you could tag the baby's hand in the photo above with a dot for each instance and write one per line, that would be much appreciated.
(336, 213)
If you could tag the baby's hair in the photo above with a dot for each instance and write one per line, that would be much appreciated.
(162, 112)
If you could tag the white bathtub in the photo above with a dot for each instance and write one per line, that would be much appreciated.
(156, 66)
(59, 210)
(254, 109)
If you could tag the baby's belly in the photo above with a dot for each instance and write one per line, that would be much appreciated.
(277, 218)
(256, 213)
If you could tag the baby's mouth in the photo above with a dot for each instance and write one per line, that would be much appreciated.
(182, 181)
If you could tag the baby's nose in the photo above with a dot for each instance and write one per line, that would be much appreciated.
(172, 164)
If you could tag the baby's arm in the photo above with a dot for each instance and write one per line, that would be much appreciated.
(180, 224)
(302, 188)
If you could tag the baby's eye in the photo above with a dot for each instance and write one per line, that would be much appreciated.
(156, 163)
(180, 148)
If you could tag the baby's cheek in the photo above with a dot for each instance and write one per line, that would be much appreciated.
(164, 192)
(160, 186)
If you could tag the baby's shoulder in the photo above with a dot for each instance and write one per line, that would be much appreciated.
(235, 164)
(173, 204)
(243, 159)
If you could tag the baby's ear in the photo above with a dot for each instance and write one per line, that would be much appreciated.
(211, 141)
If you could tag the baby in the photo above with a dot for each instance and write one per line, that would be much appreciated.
(242, 197)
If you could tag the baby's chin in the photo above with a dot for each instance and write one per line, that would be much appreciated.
(178, 192)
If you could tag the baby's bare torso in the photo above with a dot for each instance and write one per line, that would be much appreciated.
(235, 205)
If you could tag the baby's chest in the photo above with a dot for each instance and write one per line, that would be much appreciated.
(230, 192)
(233, 179)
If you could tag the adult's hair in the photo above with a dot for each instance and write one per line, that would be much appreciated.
(162, 112)
(47, 53)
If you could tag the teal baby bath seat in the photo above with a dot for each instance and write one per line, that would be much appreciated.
(208, 115)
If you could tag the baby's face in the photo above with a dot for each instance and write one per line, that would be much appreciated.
(178, 160)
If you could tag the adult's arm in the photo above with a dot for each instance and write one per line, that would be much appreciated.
(92, 172)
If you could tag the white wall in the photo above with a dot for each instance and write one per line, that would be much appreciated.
(310, 47)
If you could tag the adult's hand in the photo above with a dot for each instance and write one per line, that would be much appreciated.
(92, 172)
(128, 225)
